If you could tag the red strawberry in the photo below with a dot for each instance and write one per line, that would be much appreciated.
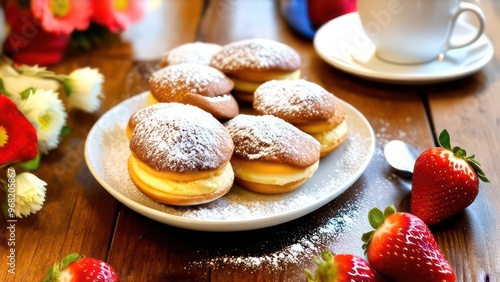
(341, 268)
(403, 248)
(77, 268)
(445, 181)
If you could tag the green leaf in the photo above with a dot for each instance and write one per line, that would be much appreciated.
(67, 88)
(366, 237)
(32, 164)
(69, 259)
(376, 217)
(3, 91)
(326, 270)
(27, 92)
(389, 211)
(65, 130)
(477, 168)
(444, 139)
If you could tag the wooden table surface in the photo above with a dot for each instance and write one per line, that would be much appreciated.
(79, 215)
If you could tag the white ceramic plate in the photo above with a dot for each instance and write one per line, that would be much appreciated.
(106, 154)
(342, 43)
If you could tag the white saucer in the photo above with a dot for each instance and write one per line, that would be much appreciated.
(342, 43)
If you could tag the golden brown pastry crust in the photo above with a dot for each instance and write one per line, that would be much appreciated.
(256, 54)
(143, 114)
(269, 188)
(329, 148)
(296, 101)
(181, 83)
(181, 138)
(244, 97)
(306, 105)
(221, 107)
(191, 53)
(169, 84)
(268, 138)
(173, 199)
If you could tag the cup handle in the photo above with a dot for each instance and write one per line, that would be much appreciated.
(468, 7)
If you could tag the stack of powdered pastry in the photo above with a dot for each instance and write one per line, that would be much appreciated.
(307, 106)
(251, 62)
(194, 84)
(180, 154)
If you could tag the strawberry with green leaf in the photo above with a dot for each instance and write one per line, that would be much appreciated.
(445, 181)
(78, 268)
(402, 248)
(340, 268)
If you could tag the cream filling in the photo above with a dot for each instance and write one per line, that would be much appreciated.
(265, 177)
(151, 99)
(250, 86)
(315, 126)
(332, 135)
(192, 188)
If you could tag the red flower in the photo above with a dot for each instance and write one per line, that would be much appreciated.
(27, 43)
(116, 15)
(62, 16)
(18, 140)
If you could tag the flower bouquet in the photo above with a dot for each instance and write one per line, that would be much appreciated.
(41, 30)
(32, 121)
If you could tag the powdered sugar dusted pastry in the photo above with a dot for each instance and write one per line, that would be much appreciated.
(251, 62)
(192, 53)
(197, 85)
(306, 105)
(144, 114)
(271, 156)
(180, 155)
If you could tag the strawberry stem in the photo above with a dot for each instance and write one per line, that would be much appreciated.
(55, 271)
(376, 219)
(326, 270)
(444, 141)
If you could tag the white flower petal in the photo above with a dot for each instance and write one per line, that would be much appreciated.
(30, 194)
(17, 84)
(46, 113)
(85, 86)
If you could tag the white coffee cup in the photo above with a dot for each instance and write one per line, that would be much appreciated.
(415, 31)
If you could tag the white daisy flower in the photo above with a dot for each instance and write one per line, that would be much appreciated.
(46, 113)
(30, 194)
(84, 89)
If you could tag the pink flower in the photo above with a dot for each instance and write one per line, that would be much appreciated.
(62, 16)
(116, 15)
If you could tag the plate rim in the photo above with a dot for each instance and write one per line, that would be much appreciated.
(367, 73)
(226, 225)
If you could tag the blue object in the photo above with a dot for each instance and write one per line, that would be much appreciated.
(296, 15)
